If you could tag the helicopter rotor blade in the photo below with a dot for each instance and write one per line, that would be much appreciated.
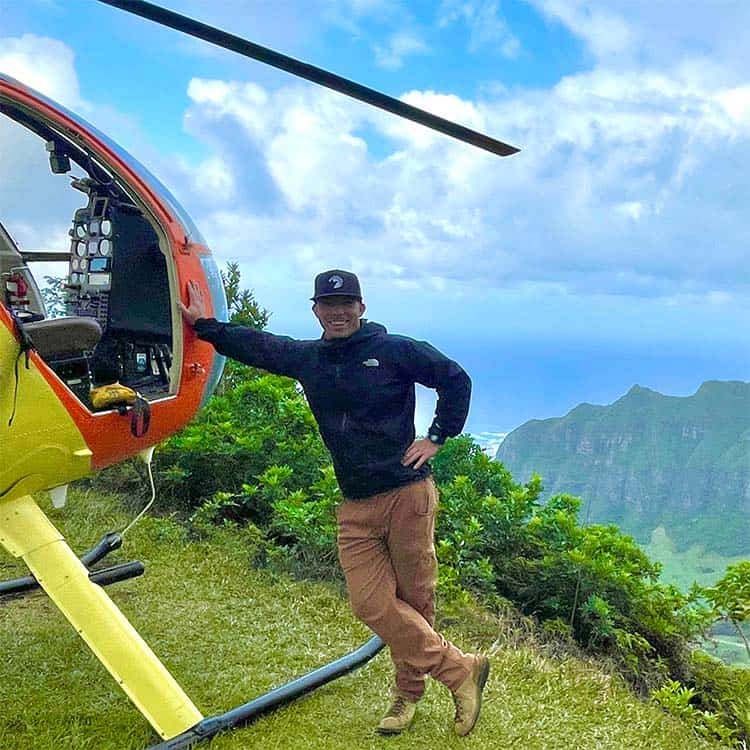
(309, 72)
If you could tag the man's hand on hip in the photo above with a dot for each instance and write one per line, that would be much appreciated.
(419, 452)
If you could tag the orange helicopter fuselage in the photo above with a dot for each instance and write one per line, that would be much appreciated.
(49, 436)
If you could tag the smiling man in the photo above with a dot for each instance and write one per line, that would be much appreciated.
(359, 381)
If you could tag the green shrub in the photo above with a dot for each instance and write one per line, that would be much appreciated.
(305, 522)
(496, 540)
(724, 691)
(678, 701)
(263, 422)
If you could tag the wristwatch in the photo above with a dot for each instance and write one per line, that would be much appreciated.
(435, 436)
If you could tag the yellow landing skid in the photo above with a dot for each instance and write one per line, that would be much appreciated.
(26, 532)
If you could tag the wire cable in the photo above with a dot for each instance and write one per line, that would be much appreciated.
(149, 503)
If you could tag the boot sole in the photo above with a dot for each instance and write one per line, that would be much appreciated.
(389, 732)
(384, 732)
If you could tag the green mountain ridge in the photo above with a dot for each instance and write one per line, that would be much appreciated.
(650, 460)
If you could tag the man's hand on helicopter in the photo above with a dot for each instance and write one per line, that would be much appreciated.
(196, 307)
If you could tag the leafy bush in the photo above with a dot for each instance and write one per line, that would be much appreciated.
(261, 423)
(730, 598)
(305, 522)
(496, 540)
(678, 701)
(723, 690)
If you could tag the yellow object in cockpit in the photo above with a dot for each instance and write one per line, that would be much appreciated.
(40, 445)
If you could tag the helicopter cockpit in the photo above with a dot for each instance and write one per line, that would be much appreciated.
(117, 325)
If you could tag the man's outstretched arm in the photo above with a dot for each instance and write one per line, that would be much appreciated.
(280, 355)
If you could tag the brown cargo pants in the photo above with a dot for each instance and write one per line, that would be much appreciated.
(387, 552)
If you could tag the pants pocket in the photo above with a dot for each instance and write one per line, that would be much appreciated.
(424, 497)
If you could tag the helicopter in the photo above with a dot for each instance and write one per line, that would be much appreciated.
(120, 371)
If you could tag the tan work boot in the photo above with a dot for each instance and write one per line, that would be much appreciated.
(468, 697)
(399, 716)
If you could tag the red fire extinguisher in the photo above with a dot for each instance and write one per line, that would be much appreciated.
(17, 290)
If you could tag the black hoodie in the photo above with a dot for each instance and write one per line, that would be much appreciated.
(361, 391)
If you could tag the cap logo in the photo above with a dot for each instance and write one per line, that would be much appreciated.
(336, 282)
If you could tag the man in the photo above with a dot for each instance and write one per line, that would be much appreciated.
(359, 381)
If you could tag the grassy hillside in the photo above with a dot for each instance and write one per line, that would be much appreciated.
(229, 632)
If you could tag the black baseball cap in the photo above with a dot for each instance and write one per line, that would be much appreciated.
(336, 283)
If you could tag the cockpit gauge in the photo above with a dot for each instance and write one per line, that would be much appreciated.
(105, 247)
(106, 227)
(94, 226)
(93, 246)
(81, 249)
(81, 231)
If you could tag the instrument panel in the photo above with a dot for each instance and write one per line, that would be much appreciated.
(92, 246)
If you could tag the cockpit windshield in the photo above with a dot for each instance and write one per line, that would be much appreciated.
(194, 234)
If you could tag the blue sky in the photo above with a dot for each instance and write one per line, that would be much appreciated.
(611, 251)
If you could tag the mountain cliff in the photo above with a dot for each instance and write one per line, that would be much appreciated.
(650, 460)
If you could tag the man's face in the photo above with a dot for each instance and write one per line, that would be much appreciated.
(338, 315)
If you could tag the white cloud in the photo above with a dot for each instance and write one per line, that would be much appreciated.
(399, 45)
(41, 222)
(736, 103)
(630, 209)
(44, 64)
(489, 442)
(601, 198)
(604, 30)
(486, 25)
(646, 34)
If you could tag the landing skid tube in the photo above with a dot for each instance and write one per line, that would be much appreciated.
(103, 577)
(27, 533)
(272, 700)
(108, 543)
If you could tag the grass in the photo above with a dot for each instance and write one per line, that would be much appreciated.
(229, 632)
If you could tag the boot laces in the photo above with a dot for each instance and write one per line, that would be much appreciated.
(398, 707)
(459, 716)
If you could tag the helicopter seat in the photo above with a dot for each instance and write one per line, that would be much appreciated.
(66, 345)
(57, 338)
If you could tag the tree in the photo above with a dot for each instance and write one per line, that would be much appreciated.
(53, 295)
(245, 310)
(242, 305)
(730, 598)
